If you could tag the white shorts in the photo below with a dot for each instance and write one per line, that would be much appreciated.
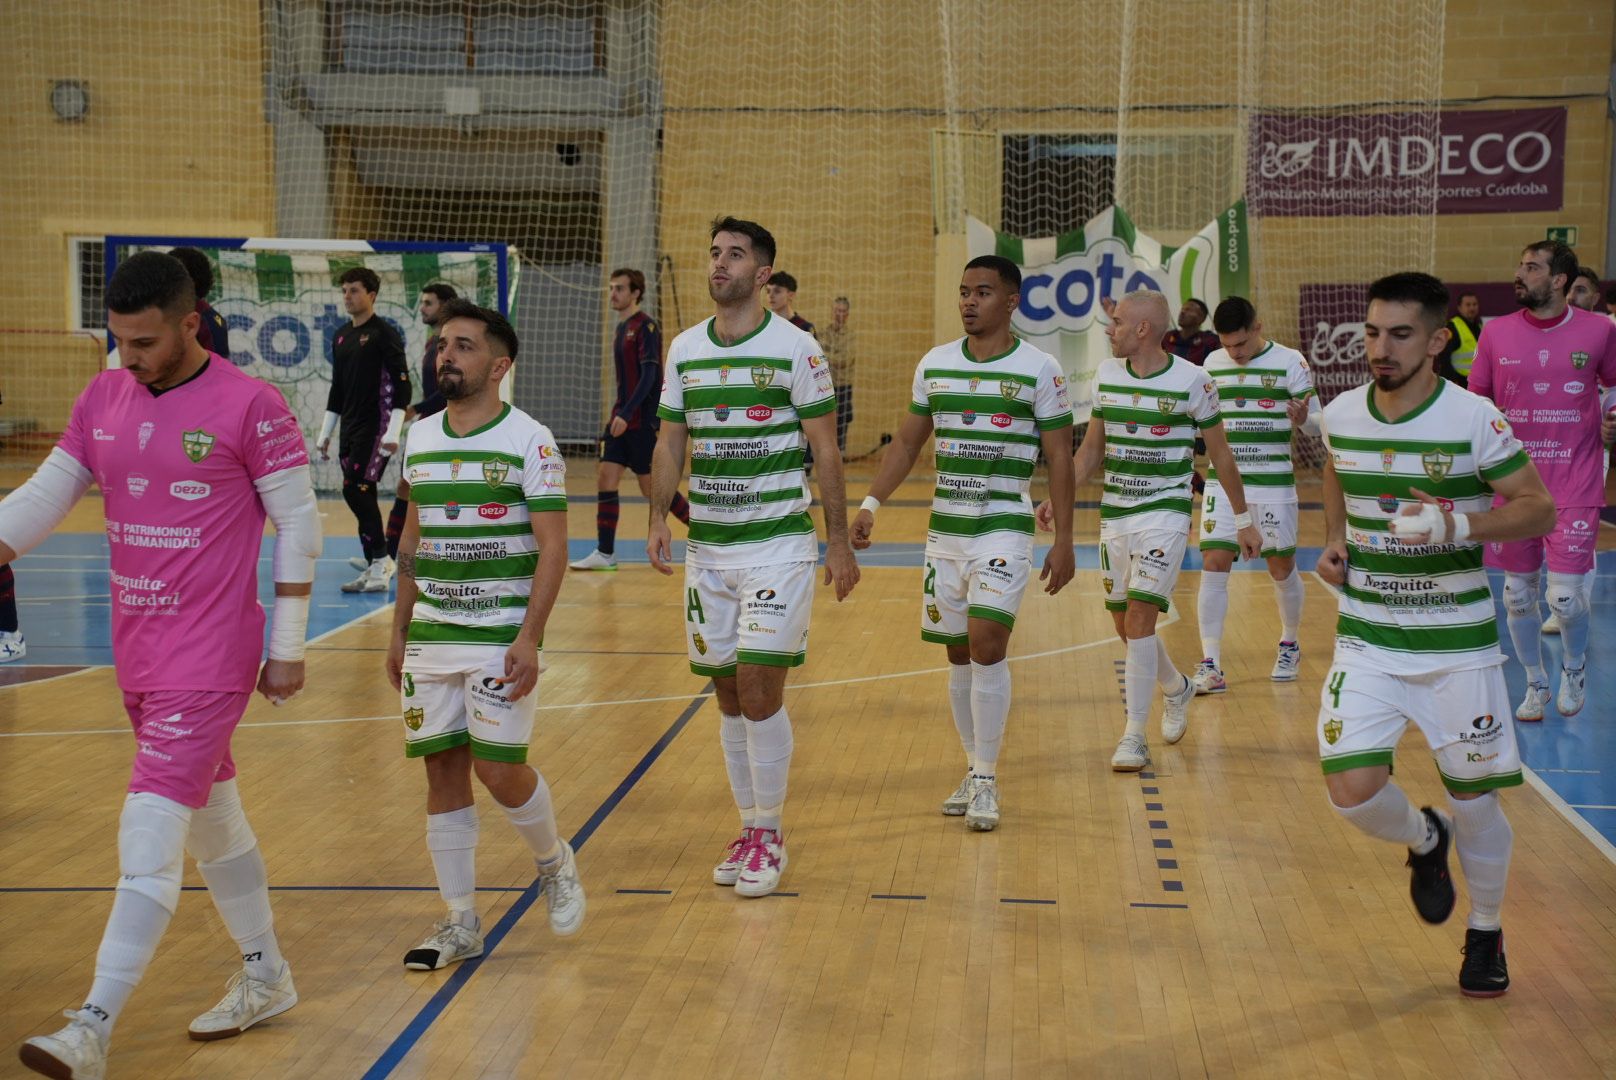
(444, 709)
(749, 615)
(1466, 717)
(956, 590)
(1141, 566)
(1275, 520)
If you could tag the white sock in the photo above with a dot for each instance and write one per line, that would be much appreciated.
(1138, 675)
(1567, 600)
(1588, 580)
(768, 745)
(1168, 677)
(451, 838)
(535, 820)
(990, 706)
(134, 928)
(1484, 840)
(1390, 816)
(1525, 625)
(228, 856)
(1212, 608)
(732, 735)
(959, 699)
(1290, 593)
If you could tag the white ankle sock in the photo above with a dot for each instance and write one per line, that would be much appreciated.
(1211, 609)
(1484, 841)
(1390, 816)
(732, 736)
(959, 700)
(1138, 675)
(451, 839)
(768, 745)
(990, 706)
(535, 820)
(1290, 592)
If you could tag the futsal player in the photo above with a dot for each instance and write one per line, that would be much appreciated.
(190, 455)
(744, 389)
(212, 332)
(993, 402)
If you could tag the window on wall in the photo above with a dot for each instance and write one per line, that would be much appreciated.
(87, 283)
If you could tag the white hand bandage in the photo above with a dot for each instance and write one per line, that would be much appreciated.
(1429, 526)
(288, 626)
(870, 503)
(1243, 520)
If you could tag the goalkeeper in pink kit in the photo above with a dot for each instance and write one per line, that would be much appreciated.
(190, 456)
(1544, 367)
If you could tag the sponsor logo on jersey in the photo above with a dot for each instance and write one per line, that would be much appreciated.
(813, 362)
(548, 451)
(1507, 361)
(758, 628)
(413, 717)
(1483, 723)
(998, 563)
(1060, 381)
(493, 511)
(137, 484)
(1160, 429)
(1579, 525)
(102, 435)
(495, 472)
(1574, 387)
(969, 416)
(198, 444)
(720, 413)
(146, 430)
(1387, 503)
(686, 380)
(762, 376)
(1445, 504)
(265, 427)
(1132, 426)
(189, 490)
(1541, 387)
(451, 510)
(1001, 420)
(759, 412)
(1240, 401)
(1579, 360)
(1266, 403)
(1501, 427)
(1332, 730)
(1437, 463)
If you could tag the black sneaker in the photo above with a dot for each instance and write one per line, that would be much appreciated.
(1429, 884)
(1484, 973)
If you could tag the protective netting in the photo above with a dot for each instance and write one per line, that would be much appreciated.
(596, 135)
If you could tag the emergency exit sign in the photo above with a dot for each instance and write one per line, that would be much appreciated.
(1566, 234)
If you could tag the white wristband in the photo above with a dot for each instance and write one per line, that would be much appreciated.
(1461, 528)
(288, 627)
(1242, 520)
(870, 503)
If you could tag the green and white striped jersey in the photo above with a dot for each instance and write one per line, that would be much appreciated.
(475, 494)
(1416, 609)
(1150, 427)
(1253, 398)
(743, 404)
(987, 415)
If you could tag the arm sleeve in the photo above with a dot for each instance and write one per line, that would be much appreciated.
(397, 371)
(288, 498)
(812, 390)
(671, 407)
(32, 511)
(1481, 368)
(1051, 406)
(544, 475)
(1095, 412)
(1302, 388)
(919, 398)
(650, 375)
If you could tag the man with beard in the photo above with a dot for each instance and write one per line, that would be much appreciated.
(482, 558)
(1584, 292)
(1543, 366)
(747, 388)
(1411, 468)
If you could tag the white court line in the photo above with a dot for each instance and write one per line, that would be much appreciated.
(1589, 806)
(1550, 796)
(1172, 617)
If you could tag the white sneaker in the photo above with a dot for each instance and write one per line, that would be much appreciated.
(1176, 714)
(1288, 663)
(563, 893)
(983, 814)
(727, 871)
(1132, 754)
(765, 862)
(955, 804)
(1208, 678)
(12, 647)
(1551, 625)
(1573, 691)
(448, 943)
(373, 580)
(1533, 704)
(246, 1001)
(77, 1052)
(595, 560)
(358, 562)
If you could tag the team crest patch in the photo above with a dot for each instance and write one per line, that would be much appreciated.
(1108, 583)
(975, 382)
(1332, 730)
(699, 642)
(451, 510)
(762, 376)
(1270, 380)
(198, 444)
(1388, 459)
(495, 472)
(933, 614)
(454, 469)
(1010, 389)
(1579, 360)
(1437, 463)
(1166, 405)
(414, 718)
(723, 375)
(1206, 527)
(1241, 377)
(364, 339)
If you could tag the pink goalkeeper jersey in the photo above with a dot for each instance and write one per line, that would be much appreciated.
(1545, 379)
(184, 522)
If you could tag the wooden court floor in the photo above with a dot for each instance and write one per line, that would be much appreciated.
(1212, 917)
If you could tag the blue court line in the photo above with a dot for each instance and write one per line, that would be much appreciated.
(393, 1056)
(272, 888)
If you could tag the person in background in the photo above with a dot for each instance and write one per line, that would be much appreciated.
(1189, 340)
(782, 293)
(214, 333)
(1464, 330)
(836, 338)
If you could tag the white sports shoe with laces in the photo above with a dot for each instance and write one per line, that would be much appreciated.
(448, 943)
(76, 1052)
(246, 1001)
(563, 893)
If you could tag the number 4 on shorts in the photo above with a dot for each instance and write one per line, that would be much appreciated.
(1337, 680)
(693, 612)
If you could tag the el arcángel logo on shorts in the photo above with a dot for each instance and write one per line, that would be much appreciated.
(414, 718)
(1437, 463)
(198, 444)
(1332, 730)
(495, 472)
(765, 594)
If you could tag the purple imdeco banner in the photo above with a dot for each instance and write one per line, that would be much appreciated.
(1483, 162)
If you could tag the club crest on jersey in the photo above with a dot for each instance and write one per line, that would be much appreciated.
(495, 472)
(1270, 380)
(933, 614)
(414, 718)
(723, 375)
(975, 382)
(1136, 396)
(1332, 730)
(762, 376)
(1241, 378)
(699, 642)
(1010, 389)
(146, 430)
(1543, 358)
(1579, 360)
(1166, 404)
(1388, 459)
(198, 444)
(1437, 463)
(364, 339)
(454, 468)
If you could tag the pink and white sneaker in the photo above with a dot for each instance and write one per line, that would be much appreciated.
(763, 862)
(727, 871)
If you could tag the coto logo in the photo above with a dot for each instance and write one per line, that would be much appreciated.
(759, 412)
(1001, 420)
(492, 511)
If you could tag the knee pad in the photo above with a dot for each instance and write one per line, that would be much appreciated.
(219, 831)
(1520, 594)
(151, 847)
(1565, 596)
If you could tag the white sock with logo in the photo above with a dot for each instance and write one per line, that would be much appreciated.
(1137, 677)
(1211, 609)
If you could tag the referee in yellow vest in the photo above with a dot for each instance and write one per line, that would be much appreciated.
(1464, 328)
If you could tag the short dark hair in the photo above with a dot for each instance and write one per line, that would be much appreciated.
(1562, 260)
(844, 301)
(636, 280)
(1234, 314)
(196, 264)
(782, 279)
(1008, 272)
(151, 279)
(495, 325)
(442, 290)
(762, 240)
(1590, 273)
(1198, 302)
(1411, 287)
(1468, 292)
(365, 276)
